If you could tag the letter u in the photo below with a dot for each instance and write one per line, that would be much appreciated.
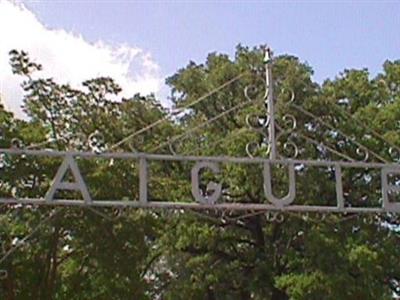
(286, 200)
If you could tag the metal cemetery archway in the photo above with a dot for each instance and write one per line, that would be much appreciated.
(209, 198)
(201, 201)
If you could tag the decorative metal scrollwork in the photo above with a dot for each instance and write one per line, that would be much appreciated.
(171, 148)
(176, 146)
(292, 94)
(17, 143)
(368, 220)
(133, 143)
(291, 148)
(275, 217)
(3, 161)
(96, 142)
(394, 153)
(250, 92)
(290, 121)
(257, 122)
(253, 147)
(362, 153)
(341, 143)
(261, 124)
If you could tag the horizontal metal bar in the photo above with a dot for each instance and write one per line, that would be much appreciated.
(223, 159)
(193, 205)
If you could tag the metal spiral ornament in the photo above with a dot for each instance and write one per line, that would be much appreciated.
(252, 148)
(291, 148)
(17, 143)
(96, 142)
(368, 220)
(362, 153)
(341, 143)
(132, 143)
(171, 148)
(258, 123)
(275, 217)
(394, 154)
(176, 146)
(290, 122)
(3, 161)
(287, 130)
(292, 94)
(265, 125)
(250, 92)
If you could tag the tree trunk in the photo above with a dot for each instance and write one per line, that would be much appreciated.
(9, 284)
(279, 295)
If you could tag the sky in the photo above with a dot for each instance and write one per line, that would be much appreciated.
(140, 43)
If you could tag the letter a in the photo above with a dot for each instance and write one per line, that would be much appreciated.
(59, 184)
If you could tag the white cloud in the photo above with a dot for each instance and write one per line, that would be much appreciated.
(68, 57)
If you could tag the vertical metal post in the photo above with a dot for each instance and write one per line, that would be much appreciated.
(142, 180)
(269, 102)
(339, 187)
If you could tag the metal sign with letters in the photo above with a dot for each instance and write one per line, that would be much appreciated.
(209, 196)
(210, 200)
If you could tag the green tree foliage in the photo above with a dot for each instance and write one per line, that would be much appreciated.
(80, 254)
(133, 254)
